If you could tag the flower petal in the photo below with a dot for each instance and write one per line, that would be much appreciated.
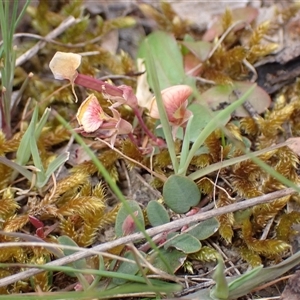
(114, 126)
(122, 126)
(175, 99)
(64, 66)
(129, 96)
(143, 93)
(90, 114)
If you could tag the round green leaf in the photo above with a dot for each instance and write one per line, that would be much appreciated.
(78, 264)
(124, 217)
(181, 193)
(157, 214)
(205, 229)
(126, 268)
(174, 258)
(184, 242)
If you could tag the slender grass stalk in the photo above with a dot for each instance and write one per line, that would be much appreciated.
(112, 184)
(210, 127)
(109, 274)
(9, 20)
(162, 112)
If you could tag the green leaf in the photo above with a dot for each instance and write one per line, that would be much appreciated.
(202, 116)
(33, 132)
(56, 163)
(153, 76)
(184, 242)
(79, 264)
(186, 142)
(180, 193)
(126, 268)
(37, 159)
(213, 124)
(258, 276)
(23, 152)
(29, 138)
(175, 259)
(123, 214)
(110, 274)
(128, 288)
(223, 94)
(42, 122)
(242, 280)
(205, 229)
(18, 168)
(53, 166)
(157, 214)
(200, 49)
(220, 291)
(168, 59)
(244, 284)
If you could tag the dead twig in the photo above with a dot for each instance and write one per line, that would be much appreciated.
(153, 231)
(41, 44)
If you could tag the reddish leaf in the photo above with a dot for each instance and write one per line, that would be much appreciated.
(246, 14)
(190, 62)
(36, 222)
(129, 226)
(200, 49)
(40, 233)
(219, 96)
(294, 144)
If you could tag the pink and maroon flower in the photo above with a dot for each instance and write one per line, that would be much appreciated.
(64, 65)
(175, 100)
(95, 122)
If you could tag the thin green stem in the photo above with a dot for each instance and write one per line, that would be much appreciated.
(109, 274)
(9, 20)
(112, 185)
(211, 126)
(162, 112)
(185, 143)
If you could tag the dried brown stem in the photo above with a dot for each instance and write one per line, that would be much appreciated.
(153, 231)
(41, 44)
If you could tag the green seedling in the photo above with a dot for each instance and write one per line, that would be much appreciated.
(28, 148)
(9, 20)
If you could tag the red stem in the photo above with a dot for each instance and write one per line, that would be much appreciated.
(97, 85)
(103, 87)
(142, 123)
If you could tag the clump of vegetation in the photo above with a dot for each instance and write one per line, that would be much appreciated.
(186, 111)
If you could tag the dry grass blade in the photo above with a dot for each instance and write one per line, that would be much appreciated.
(53, 34)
